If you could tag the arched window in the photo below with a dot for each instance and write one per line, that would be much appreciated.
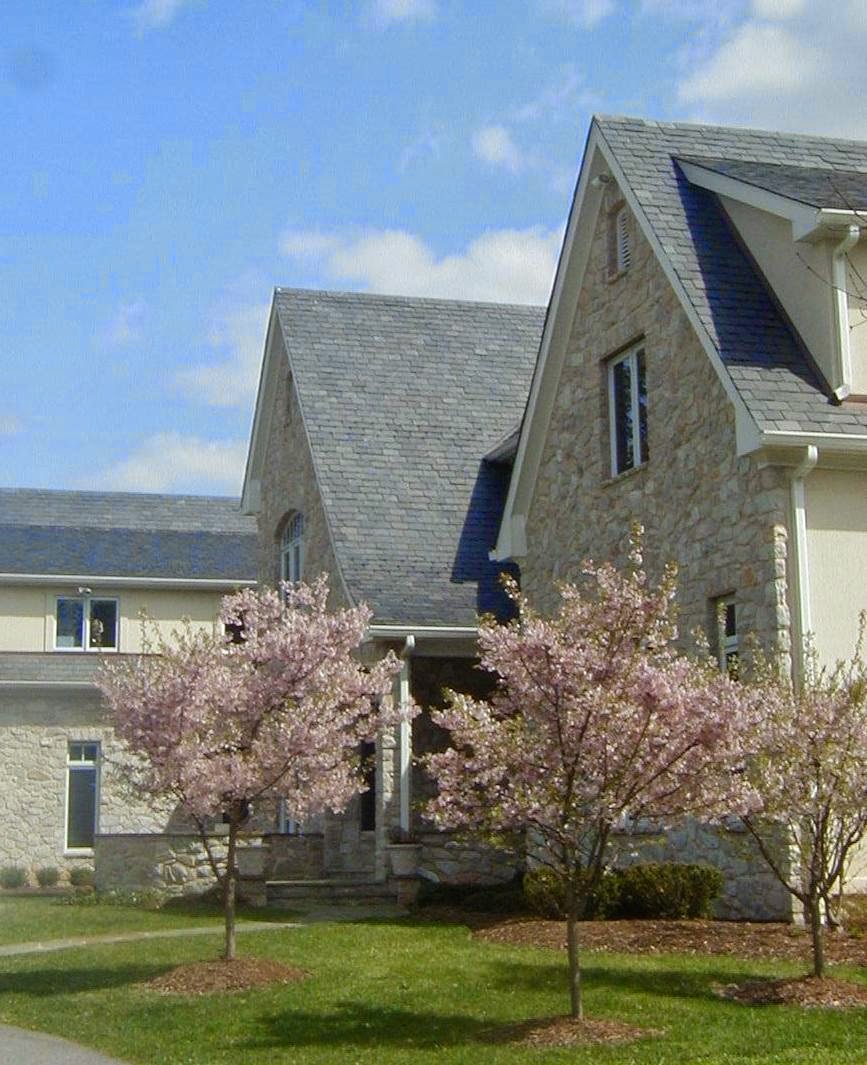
(292, 549)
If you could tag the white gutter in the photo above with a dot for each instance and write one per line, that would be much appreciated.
(801, 569)
(422, 632)
(841, 307)
(46, 684)
(405, 739)
(188, 583)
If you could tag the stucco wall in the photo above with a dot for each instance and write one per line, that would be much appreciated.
(718, 516)
(289, 485)
(837, 557)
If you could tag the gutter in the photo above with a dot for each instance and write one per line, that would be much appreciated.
(841, 307)
(801, 573)
(189, 583)
(421, 632)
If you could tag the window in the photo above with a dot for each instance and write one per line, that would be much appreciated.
(627, 410)
(367, 805)
(85, 623)
(726, 616)
(619, 247)
(292, 549)
(82, 787)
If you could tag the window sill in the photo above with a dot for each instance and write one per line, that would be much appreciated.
(625, 475)
(84, 650)
(78, 852)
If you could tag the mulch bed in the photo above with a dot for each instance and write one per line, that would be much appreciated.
(740, 939)
(213, 977)
(805, 991)
(566, 1032)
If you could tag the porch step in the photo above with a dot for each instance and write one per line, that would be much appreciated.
(343, 889)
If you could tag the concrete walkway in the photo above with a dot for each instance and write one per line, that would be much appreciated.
(20, 1047)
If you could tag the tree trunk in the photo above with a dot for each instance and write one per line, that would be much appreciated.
(229, 890)
(575, 1001)
(817, 932)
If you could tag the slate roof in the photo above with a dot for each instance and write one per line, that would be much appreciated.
(124, 534)
(765, 360)
(402, 398)
(843, 190)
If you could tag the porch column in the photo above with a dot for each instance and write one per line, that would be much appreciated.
(405, 742)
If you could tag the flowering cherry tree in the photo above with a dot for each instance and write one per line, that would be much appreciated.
(597, 721)
(276, 707)
(805, 757)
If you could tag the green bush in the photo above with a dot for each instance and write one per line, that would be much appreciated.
(47, 876)
(13, 876)
(82, 876)
(507, 897)
(651, 890)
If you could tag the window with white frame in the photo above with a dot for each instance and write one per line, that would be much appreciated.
(726, 615)
(85, 623)
(627, 410)
(292, 549)
(82, 794)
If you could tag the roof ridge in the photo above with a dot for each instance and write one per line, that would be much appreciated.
(752, 131)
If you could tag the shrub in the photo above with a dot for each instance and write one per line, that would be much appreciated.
(47, 876)
(507, 897)
(652, 890)
(82, 876)
(13, 876)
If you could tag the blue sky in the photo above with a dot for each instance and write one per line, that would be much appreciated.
(167, 162)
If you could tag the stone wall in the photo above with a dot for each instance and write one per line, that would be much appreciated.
(289, 485)
(447, 860)
(720, 517)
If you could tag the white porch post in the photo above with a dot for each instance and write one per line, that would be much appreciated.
(405, 741)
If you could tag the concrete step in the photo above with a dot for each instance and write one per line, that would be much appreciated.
(330, 889)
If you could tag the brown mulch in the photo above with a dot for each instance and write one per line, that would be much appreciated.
(740, 939)
(805, 991)
(566, 1032)
(211, 977)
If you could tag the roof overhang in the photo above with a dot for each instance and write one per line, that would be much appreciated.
(841, 451)
(88, 580)
(251, 493)
(809, 223)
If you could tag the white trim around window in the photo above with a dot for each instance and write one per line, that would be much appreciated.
(86, 623)
(627, 410)
(81, 802)
(292, 549)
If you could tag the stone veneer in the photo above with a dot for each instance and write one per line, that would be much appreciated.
(721, 518)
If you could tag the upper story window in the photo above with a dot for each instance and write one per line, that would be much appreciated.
(619, 246)
(627, 410)
(727, 634)
(85, 623)
(292, 549)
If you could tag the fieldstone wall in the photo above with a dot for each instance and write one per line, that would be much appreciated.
(36, 727)
(448, 860)
(172, 864)
(721, 518)
(288, 486)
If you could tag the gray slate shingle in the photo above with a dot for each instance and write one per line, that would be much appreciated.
(125, 534)
(402, 398)
(763, 357)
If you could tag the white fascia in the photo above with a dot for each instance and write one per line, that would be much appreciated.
(251, 492)
(204, 584)
(421, 632)
(57, 685)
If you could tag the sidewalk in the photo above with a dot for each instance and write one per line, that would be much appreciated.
(20, 1047)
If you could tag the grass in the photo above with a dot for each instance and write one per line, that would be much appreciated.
(409, 992)
(24, 919)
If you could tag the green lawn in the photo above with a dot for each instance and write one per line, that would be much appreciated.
(409, 992)
(25, 919)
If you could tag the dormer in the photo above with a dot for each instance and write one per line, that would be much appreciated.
(803, 227)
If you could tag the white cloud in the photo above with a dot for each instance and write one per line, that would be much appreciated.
(758, 58)
(239, 331)
(506, 265)
(10, 425)
(172, 462)
(156, 14)
(494, 145)
(582, 13)
(791, 64)
(124, 327)
(386, 12)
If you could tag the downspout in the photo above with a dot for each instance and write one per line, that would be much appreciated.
(803, 614)
(405, 739)
(841, 307)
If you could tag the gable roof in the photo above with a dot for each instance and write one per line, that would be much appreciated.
(834, 188)
(127, 535)
(769, 377)
(402, 398)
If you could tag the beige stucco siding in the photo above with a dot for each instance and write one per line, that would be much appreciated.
(720, 517)
(837, 557)
(289, 486)
(22, 619)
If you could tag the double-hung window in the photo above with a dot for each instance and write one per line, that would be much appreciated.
(627, 410)
(292, 549)
(727, 634)
(82, 794)
(85, 623)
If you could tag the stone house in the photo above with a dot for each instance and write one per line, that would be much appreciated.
(377, 457)
(703, 370)
(76, 568)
